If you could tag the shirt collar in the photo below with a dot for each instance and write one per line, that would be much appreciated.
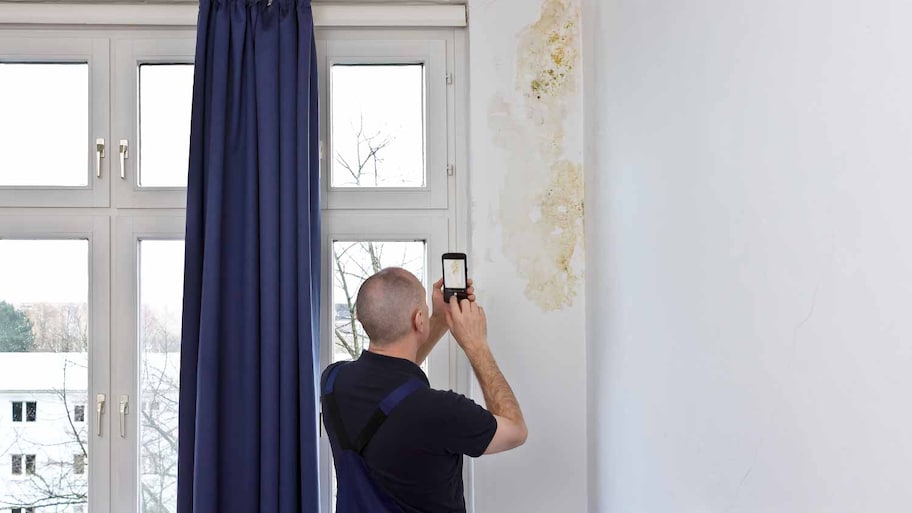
(392, 361)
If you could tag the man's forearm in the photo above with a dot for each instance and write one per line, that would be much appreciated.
(438, 328)
(498, 395)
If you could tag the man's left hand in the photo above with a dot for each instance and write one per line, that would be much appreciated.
(439, 305)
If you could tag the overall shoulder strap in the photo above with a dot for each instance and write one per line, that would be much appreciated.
(332, 372)
(331, 408)
(389, 403)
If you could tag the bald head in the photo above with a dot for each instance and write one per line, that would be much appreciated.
(386, 303)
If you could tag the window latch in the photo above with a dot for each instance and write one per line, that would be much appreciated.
(124, 154)
(124, 410)
(99, 154)
(99, 409)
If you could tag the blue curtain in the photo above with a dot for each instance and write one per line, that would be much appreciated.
(249, 354)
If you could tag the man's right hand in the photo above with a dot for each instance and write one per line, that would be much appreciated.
(468, 324)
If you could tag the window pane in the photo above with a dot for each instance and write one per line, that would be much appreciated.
(354, 262)
(165, 97)
(17, 411)
(378, 132)
(44, 343)
(79, 413)
(161, 274)
(44, 124)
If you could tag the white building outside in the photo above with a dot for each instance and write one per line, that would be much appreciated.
(44, 423)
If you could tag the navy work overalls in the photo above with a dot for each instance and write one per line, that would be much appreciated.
(357, 491)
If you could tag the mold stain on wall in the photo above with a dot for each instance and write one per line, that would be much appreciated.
(542, 199)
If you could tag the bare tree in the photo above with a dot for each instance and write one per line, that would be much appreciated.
(366, 159)
(354, 263)
(158, 433)
(59, 327)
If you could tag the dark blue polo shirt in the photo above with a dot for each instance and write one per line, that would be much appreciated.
(416, 455)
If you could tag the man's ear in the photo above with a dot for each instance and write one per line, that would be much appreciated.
(418, 320)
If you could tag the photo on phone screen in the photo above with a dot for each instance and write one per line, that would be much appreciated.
(454, 274)
(455, 279)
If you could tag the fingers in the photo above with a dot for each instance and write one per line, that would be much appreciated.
(454, 305)
(438, 284)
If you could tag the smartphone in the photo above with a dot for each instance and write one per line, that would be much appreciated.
(455, 276)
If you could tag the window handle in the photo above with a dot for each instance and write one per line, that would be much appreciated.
(124, 154)
(99, 154)
(99, 409)
(124, 409)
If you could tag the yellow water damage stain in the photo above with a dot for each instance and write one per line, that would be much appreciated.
(554, 285)
(542, 201)
(550, 48)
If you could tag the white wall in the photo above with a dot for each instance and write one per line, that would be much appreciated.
(750, 255)
(526, 242)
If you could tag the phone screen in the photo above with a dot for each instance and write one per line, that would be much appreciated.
(454, 273)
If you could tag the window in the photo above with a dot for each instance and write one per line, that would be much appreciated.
(109, 173)
(387, 131)
(79, 463)
(91, 231)
(390, 186)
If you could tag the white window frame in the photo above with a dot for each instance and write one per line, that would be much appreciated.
(21, 225)
(431, 228)
(129, 52)
(432, 49)
(29, 46)
(130, 230)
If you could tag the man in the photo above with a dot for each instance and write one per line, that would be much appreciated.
(415, 455)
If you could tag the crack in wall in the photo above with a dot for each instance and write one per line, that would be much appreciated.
(542, 202)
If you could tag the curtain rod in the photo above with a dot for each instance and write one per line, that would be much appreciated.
(335, 15)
